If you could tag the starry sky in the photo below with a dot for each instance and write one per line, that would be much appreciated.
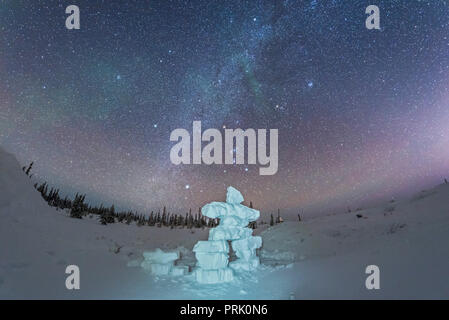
(362, 114)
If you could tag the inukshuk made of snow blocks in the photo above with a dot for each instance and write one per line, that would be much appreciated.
(213, 255)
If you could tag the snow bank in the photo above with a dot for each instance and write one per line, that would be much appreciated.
(37, 243)
(18, 198)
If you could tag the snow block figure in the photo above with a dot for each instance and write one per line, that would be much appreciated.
(162, 263)
(213, 255)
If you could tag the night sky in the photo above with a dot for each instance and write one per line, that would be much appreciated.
(362, 114)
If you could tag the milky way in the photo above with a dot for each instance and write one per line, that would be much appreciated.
(362, 114)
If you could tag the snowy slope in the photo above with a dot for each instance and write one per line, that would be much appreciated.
(407, 240)
(323, 257)
(37, 243)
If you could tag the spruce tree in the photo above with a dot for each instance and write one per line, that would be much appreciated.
(164, 217)
(28, 170)
(77, 209)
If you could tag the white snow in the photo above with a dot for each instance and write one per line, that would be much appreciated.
(324, 257)
(215, 275)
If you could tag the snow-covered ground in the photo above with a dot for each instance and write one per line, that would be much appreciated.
(324, 257)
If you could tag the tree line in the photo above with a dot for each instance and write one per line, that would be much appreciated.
(79, 208)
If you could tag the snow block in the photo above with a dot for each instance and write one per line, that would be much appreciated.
(233, 195)
(216, 209)
(146, 265)
(233, 221)
(241, 265)
(159, 256)
(157, 268)
(211, 246)
(214, 276)
(216, 260)
(245, 254)
(179, 270)
(161, 269)
(229, 233)
(245, 212)
(159, 262)
(245, 250)
(249, 243)
(220, 209)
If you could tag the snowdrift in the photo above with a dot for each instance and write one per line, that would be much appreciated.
(37, 243)
(17, 195)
